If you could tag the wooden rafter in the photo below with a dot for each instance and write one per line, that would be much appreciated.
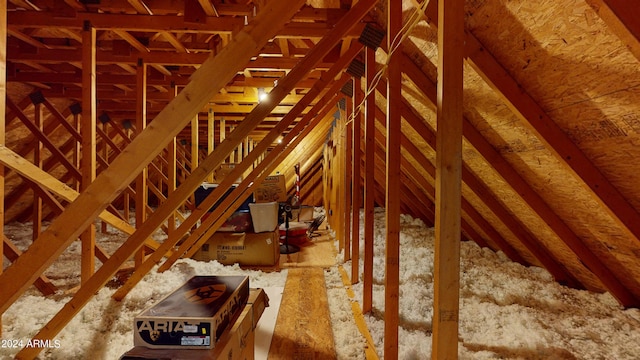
(210, 78)
(523, 105)
(43, 284)
(622, 18)
(135, 43)
(209, 8)
(140, 7)
(44, 179)
(264, 168)
(220, 153)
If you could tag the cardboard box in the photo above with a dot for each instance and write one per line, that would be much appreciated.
(238, 343)
(272, 188)
(239, 221)
(195, 315)
(253, 249)
(205, 189)
(241, 344)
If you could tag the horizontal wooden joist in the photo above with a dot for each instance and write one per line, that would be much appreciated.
(156, 23)
(46, 56)
(76, 93)
(122, 79)
(153, 108)
(172, 7)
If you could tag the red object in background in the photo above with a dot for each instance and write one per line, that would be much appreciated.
(296, 229)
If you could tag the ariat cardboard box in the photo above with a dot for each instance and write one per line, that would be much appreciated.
(252, 249)
(238, 343)
(241, 340)
(195, 315)
(272, 188)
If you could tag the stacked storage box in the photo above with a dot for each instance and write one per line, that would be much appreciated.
(251, 236)
(200, 320)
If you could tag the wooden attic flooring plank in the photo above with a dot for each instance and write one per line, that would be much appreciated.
(318, 252)
(303, 328)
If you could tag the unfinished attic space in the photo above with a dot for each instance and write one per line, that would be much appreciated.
(320, 179)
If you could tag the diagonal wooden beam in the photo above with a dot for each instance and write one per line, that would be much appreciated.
(621, 16)
(140, 7)
(266, 166)
(39, 134)
(62, 119)
(135, 43)
(173, 40)
(213, 75)
(557, 141)
(209, 8)
(27, 39)
(277, 94)
(48, 165)
(516, 227)
(44, 179)
(260, 148)
(43, 284)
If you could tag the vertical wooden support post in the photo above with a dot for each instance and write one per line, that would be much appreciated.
(195, 153)
(223, 130)
(141, 123)
(211, 133)
(77, 149)
(245, 152)
(195, 140)
(337, 177)
(88, 146)
(232, 154)
(252, 144)
(171, 170)
(356, 190)
(105, 154)
(369, 180)
(346, 176)
(446, 285)
(393, 185)
(37, 161)
(3, 109)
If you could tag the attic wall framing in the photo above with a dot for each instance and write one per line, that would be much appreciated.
(259, 33)
(3, 96)
(485, 217)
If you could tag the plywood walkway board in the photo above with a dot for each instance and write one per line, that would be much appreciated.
(208, 79)
(318, 252)
(303, 329)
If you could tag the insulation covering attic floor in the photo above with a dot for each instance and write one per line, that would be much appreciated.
(507, 311)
